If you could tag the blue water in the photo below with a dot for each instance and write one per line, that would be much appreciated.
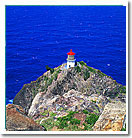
(42, 35)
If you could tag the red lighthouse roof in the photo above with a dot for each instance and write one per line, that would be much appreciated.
(71, 53)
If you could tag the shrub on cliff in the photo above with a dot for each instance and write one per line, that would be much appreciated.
(82, 63)
(86, 74)
(48, 68)
(78, 69)
(70, 122)
(91, 119)
(122, 89)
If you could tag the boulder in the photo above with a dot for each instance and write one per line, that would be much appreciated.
(112, 118)
(16, 120)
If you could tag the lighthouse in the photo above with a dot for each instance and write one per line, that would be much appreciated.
(70, 59)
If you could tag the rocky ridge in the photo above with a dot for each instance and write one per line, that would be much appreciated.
(81, 90)
(81, 78)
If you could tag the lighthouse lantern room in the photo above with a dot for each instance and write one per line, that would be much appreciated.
(70, 59)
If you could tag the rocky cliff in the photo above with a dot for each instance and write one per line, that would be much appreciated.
(83, 90)
(113, 117)
(16, 120)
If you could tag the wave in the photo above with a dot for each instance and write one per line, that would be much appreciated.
(10, 101)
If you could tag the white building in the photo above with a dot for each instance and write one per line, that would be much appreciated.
(70, 59)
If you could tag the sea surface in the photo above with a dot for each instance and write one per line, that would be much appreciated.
(37, 36)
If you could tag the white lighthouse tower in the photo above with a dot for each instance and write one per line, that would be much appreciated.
(70, 59)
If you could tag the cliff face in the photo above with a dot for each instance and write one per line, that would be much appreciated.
(16, 120)
(81, 78)
(112, 118)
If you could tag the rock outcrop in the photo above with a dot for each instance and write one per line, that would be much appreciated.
(82, 90)
(16, 120)
(70, 101)
(112, 118)
(81, 78)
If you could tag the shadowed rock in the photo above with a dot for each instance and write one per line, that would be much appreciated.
(16, 120)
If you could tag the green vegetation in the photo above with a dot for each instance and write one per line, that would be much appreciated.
(123, 129)
(45, 78)
(87, 127)
(48, 68)
(75, 121)
(117, 94)
(81, 101)
(72, 128)
(68, 122)
(55, 75)
(43, 88)
(101, 74)
(52, 114)
(89, 68)
(63, 121)
(59, 67)
(96, 111)
(115, 81)
(82, 63)
(86, 74)
(49, 82)
(85, 112)
(48, 123)
(44, 113)
(93, 101)
(122, 89)
(78, 69)
(91, 119)
(34, 91)
(60, 109)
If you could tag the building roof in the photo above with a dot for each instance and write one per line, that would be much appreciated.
(71, 53)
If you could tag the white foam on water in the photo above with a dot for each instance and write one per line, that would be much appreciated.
(10, 101)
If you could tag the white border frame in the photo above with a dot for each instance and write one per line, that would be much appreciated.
(3, 3)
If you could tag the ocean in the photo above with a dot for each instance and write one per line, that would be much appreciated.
(37, 36)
